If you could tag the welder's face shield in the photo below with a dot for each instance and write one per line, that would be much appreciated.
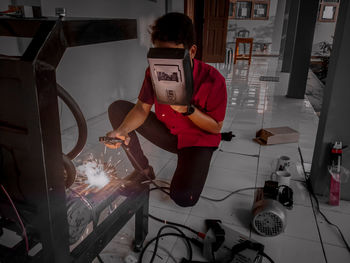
(171, 74)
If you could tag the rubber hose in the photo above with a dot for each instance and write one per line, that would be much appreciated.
(70, 171)
(79, 118)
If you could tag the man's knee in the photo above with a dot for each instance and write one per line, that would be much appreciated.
(184, 198)
(119, 106)
(118, 110)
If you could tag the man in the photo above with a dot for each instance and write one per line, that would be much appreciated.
(192, 132)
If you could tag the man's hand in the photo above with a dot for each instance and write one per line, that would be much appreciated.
(180, 109)
(120, 135)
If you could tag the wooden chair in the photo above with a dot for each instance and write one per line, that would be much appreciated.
(243, 38)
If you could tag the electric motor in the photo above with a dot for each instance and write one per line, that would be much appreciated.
(269, 209)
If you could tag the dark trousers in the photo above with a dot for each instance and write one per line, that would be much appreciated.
(193, 162)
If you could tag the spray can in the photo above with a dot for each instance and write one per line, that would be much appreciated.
(336, 160)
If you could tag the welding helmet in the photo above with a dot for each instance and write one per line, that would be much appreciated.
(171, 74)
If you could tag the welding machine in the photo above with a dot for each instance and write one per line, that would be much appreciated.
(269, 208)
(171, 75)
(223, 244)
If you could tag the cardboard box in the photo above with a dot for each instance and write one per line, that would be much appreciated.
(268, 136)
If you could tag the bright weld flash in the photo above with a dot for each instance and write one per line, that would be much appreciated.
(95, 173)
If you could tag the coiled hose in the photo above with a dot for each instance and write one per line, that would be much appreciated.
(70, 172)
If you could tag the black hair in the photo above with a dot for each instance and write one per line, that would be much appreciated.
(173, 27)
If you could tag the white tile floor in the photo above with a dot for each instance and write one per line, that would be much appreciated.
(252, 104)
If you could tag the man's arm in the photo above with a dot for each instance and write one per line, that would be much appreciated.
(202, 120)
(205, 122)
(132, 121)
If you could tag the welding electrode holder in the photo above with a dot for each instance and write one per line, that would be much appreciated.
(114, 140)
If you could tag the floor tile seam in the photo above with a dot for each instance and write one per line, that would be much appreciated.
(161, 252)
(335, 245)
(238, 153)
(325, 209)
(232, 171)
(186, 220)
(176, 239)
(258, 161)
(160, 171)
(318, 228)
(169, 210)
(320, 218)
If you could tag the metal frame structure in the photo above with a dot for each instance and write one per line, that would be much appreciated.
(30, 131)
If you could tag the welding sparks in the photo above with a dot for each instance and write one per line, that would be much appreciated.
(96, 173)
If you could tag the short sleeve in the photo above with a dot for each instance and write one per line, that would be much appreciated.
(146, 94)
(217, 99)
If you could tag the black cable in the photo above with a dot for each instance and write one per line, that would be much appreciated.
(230, 194)
(157, 241)
(160, 187)
(166, 222)
(267, 257)
(99, 259)
(164, 235)
(311, 191)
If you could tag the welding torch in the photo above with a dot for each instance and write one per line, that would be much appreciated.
(114, 140)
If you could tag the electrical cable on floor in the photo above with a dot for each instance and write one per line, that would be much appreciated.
(19, 219)
(160, 187)
(162, 235)
(310, 189)
(230, 194)
(267, 257)
(184, 236)
(159, 235)
(99, 259)
(163, 188)
(204, 197)
(166, 222)
(156, 180)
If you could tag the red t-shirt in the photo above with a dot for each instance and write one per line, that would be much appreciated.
(209, 96)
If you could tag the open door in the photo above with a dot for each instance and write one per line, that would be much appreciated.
(210, 18)
(215, 30)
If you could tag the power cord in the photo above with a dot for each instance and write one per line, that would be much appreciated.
(267, 257)
(163, 188)
(230, 194)
(311, 191)
(166, 222)
(24, 232)
(159, 235)
(173, 225)
(99, 258)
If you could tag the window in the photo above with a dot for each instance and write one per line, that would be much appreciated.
(249, 9)
(328, 10)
